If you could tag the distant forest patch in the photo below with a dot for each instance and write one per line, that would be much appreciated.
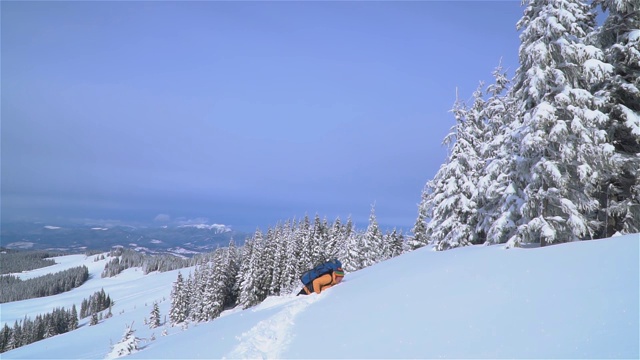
(15, 289)
(13, 261)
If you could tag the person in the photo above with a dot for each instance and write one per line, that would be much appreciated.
(323, 282)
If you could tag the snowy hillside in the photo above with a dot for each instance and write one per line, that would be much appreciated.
(575, 300)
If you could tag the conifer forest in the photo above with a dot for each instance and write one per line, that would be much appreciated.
(551, 155)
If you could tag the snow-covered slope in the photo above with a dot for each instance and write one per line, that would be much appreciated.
(577, 300)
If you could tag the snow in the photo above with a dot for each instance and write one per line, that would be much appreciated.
(632, 120)
(596, 70)
(574, 300)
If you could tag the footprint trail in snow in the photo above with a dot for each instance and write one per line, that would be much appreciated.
(270, 337)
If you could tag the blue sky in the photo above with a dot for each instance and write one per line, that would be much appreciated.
(242, 113)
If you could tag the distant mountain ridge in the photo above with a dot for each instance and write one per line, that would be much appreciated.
(182, 240)
(219, 228)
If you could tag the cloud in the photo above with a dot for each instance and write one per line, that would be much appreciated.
(162, 218)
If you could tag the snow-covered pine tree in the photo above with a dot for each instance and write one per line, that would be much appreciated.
(347, 252)
(452, 194)
(190, 296)
(354, 253)
(291, 272)
(84, 305)
(499, 209)
(249, 278)
(73, 318)
(419, 230)
(393, 244)
(372, 241)
(179, 311)
(619, 96)
(201, 304)
(194, 285)
(304, 235)
(154, 316)
(266, 262)
(232, 268)
(15, 340)
(5, 334)
(317, 245)
(128, 344)
(560, 145)
(335, 240)
(216, 284)
(278, 268)
(50, 328)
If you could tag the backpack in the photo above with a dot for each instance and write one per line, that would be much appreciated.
(319, 270)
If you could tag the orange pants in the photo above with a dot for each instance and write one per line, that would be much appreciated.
(323, 282)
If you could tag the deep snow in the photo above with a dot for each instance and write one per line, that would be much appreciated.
(576, 300)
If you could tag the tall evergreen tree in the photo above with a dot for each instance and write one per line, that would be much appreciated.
(179, 302)
(319, 239)
(73, 318)
(499, 185)
(619, 98)
(154, 316)
(372, 241)
(349, 233)
(560, 146)
(198, 301)
(294, 248)
(251, 291)
(231, 270)
(419, 230)
(15, 341)
(393, 244)
(278, 269)
(304, 235)
(5, 335)
(452, 194)
(218, 282)
(335, 238)
(354, 253)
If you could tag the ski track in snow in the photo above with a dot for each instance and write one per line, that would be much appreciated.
(269, 337)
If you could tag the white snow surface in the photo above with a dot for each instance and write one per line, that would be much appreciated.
(575, 300)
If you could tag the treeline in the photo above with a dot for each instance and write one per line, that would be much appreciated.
(14, 289)
(28, 331)
(12, 261)
(126, 258)
(59, 321)
(272, 263)
(95, 303)
(550, 156)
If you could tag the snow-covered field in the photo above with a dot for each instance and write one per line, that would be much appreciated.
(577, 300)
